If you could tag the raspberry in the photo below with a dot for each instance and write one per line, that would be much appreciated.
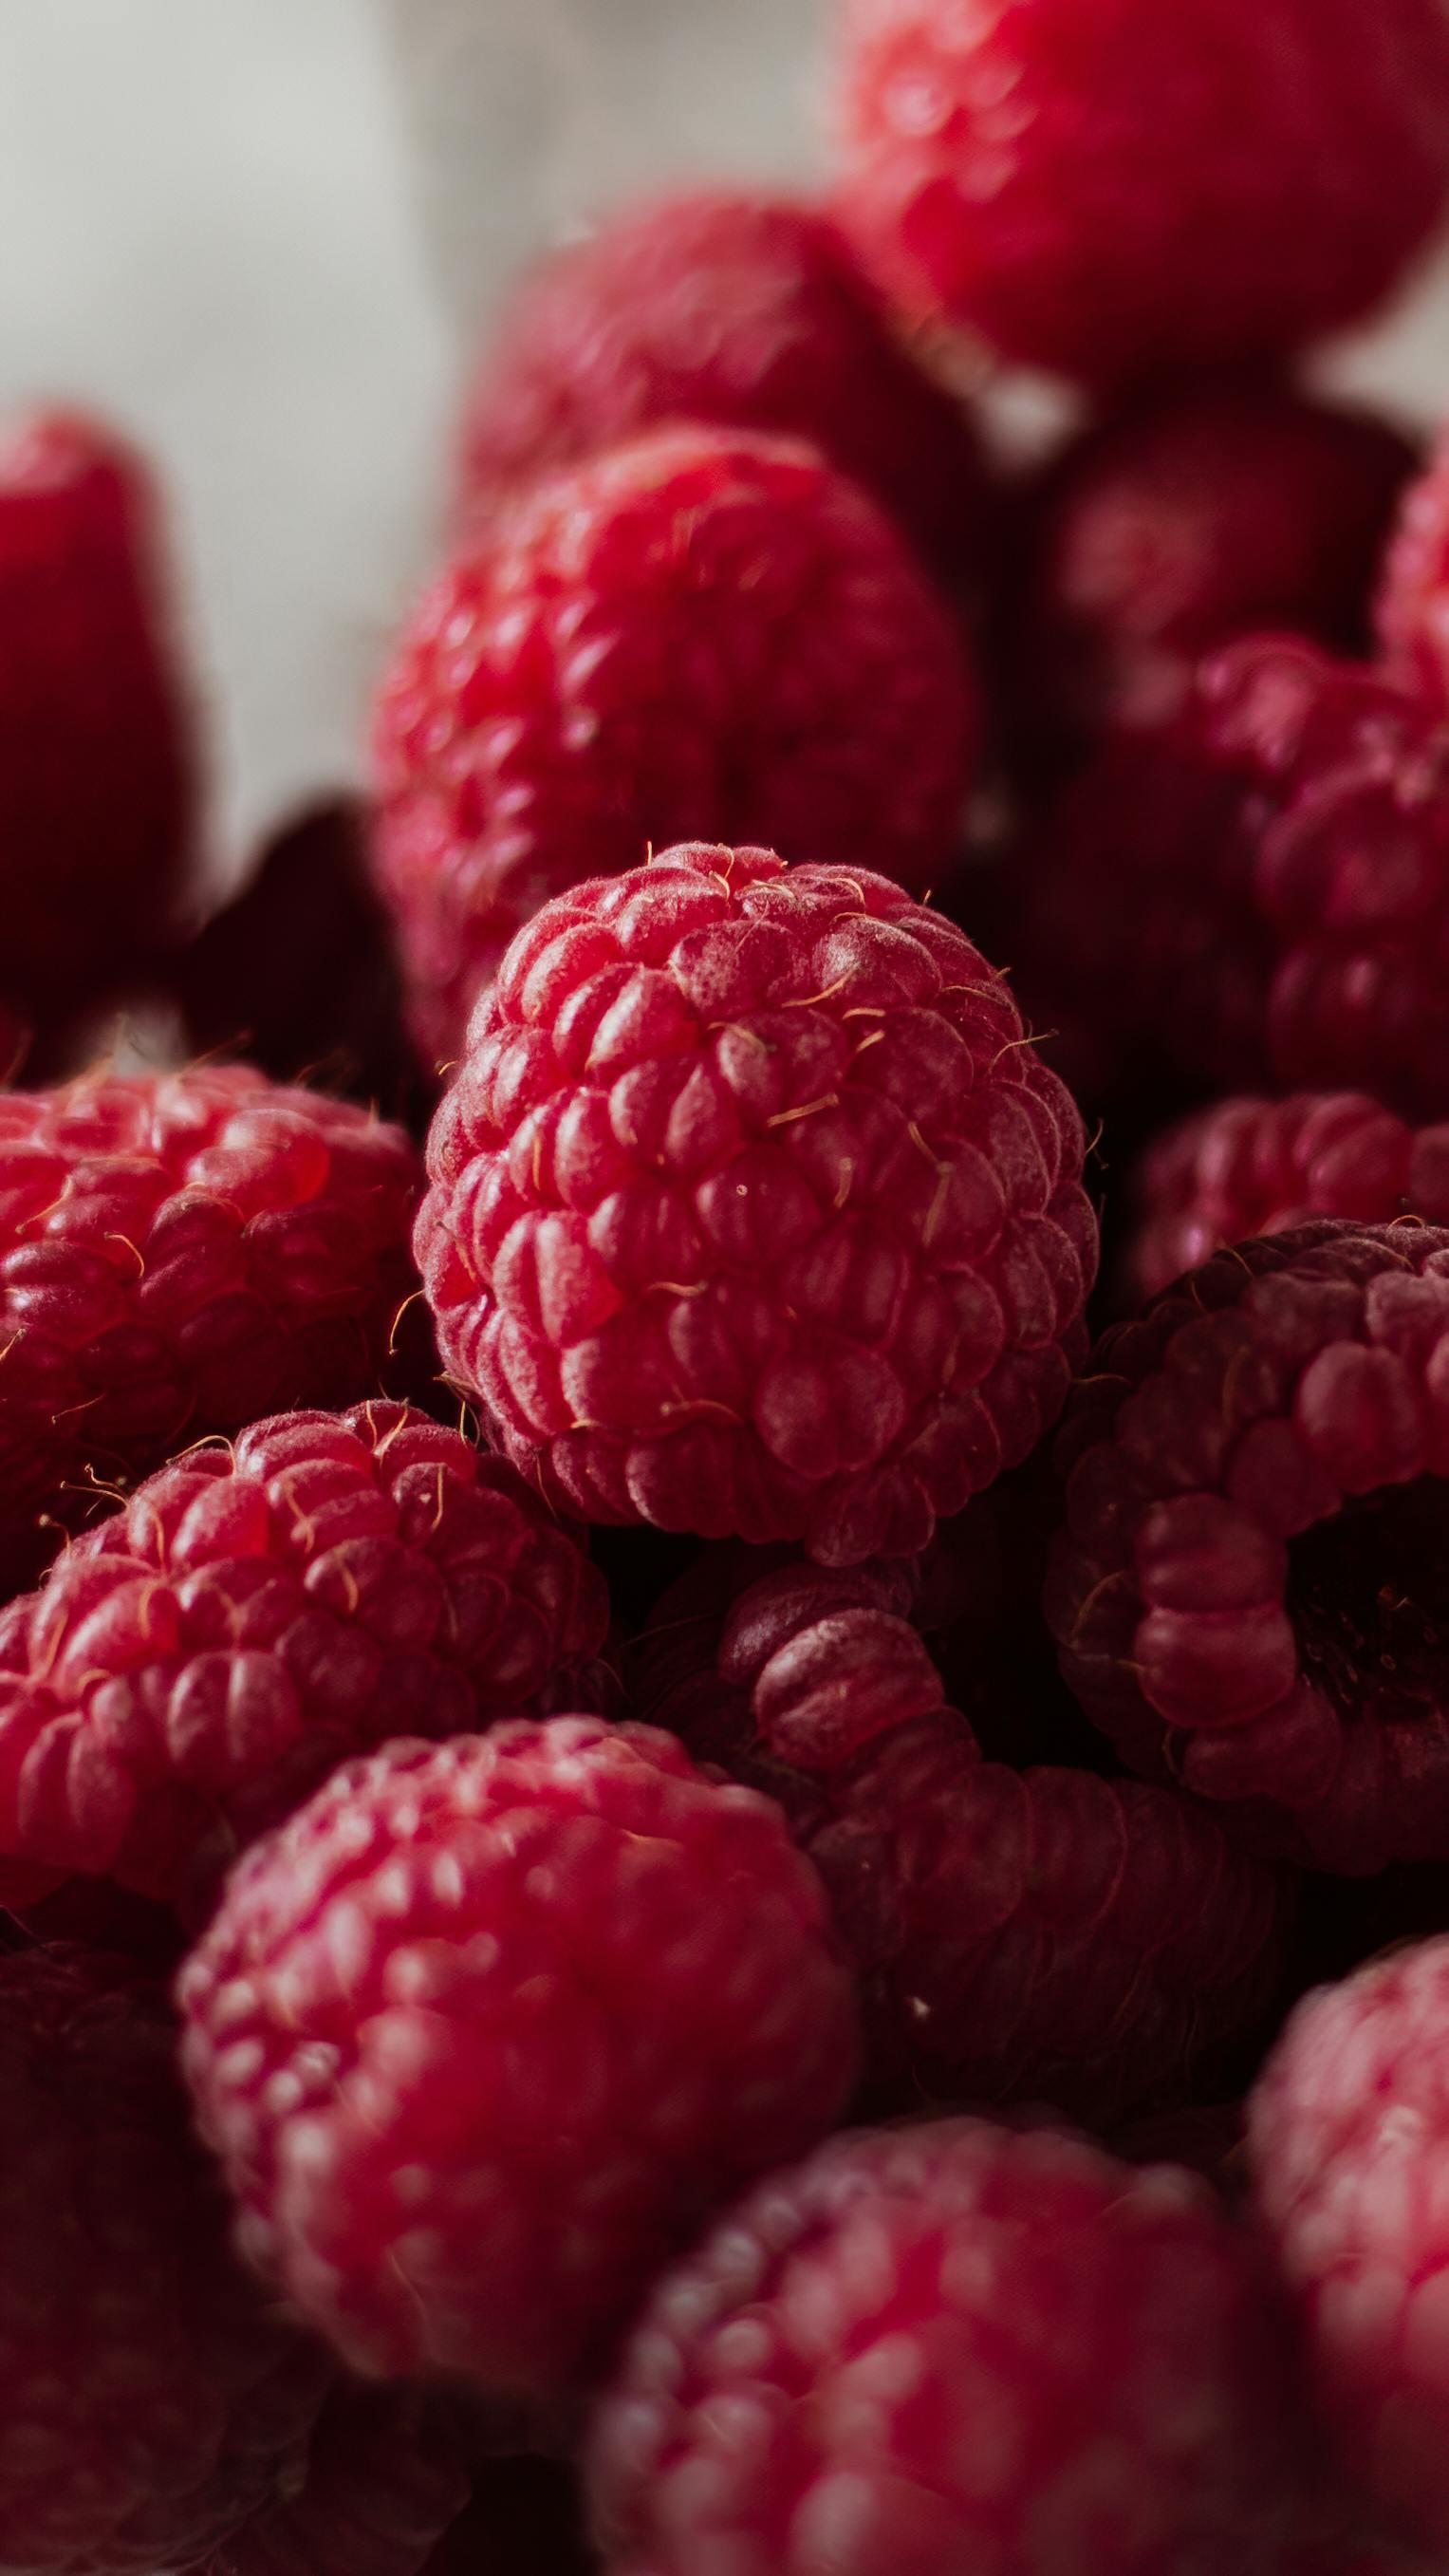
(1019, 1935)
(1348, 2131)
(97, 784)
(749, 312)
(698, 632)
(1249, 1591)
(1259, 892)
(946, 2348)
(1115, 192)
(153, 2397)
(1413, 605)
(476, 2057)
(383, 2484)
(753, 1211)
(195, 1665)
(1252, 1167)
(1189, 519)
(178, 1253)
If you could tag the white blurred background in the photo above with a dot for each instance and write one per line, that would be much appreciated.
(263, 234)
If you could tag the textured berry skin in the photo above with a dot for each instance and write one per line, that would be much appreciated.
(1248, 1593)
(153, 2397)
(97, 791)
(1258, 893)
(1112, 192)
(1348, 2132)
(1186, 520)
(700, 631)
(179, 1253)
(1019, 1935)
(1252, 1167)
(747, 311)
(1413, 603)
(753, 1211)
(258, 1612)
(952, 2347)
(487, 2030)
(383, 2485)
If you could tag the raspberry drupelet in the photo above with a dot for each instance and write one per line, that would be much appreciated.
(954, 2347)
(256, 1613)
(700, 631)
(745, 310)
(1251, 1592)
(1112, 193)
(489, 2029)
(753, 1210)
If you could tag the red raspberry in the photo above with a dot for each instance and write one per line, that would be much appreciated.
(700, 632)
(257, 1612)
(946, 2348)
(747, 311)
(1259, 892)
(1186, 520)
(180, 1252)
(1348, 2134)
(1116, 191)
(97, 785)
(1413, 607)
(753, 1210)
(487, 2029)
(153, 2398)
(1249, 1592)
(1252, 1167)
(383, 2484)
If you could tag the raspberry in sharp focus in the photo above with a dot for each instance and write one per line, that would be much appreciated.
(753, 1211)
(179, 1253)
(747, 311)
(1113, 192)
(954, 2347)
(154, 2399)
(698, 632)
(1348, 2135)
(259, 1612)
(1413, 606)
(1251, 1592)
(488, 2029)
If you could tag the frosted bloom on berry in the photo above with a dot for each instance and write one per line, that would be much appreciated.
(195, 1665)
(753, 1211)
(698, 632)
(1251, 1592)
(486, 2031)
(947, 2348)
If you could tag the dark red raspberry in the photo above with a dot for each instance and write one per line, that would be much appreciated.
(748, 311)
(1250, 1590)
(97, 785)
(698, 632)
(753, 1210)
(1413, 607)
(1258, 893)
(488, 2029)
(383, 2484)
(1112, 192)
(1034, 1935)
(153, 2398)
(1186, 520)
(954, 2347)
(1348, 2136)
(1252, 1167)
(260, 1611)
(179, 1253)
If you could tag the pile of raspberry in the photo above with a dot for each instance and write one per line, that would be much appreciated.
(724, 1427)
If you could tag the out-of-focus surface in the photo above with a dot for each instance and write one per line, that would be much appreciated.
(259, 233)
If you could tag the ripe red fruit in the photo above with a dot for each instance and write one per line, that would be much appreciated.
(748, 311)
(488, 2029)
(1249, 1591)
(258, 1612)
(753, 1210)
(954, 2347)
(703, 631)
(1113, 192)
(179, 1253)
